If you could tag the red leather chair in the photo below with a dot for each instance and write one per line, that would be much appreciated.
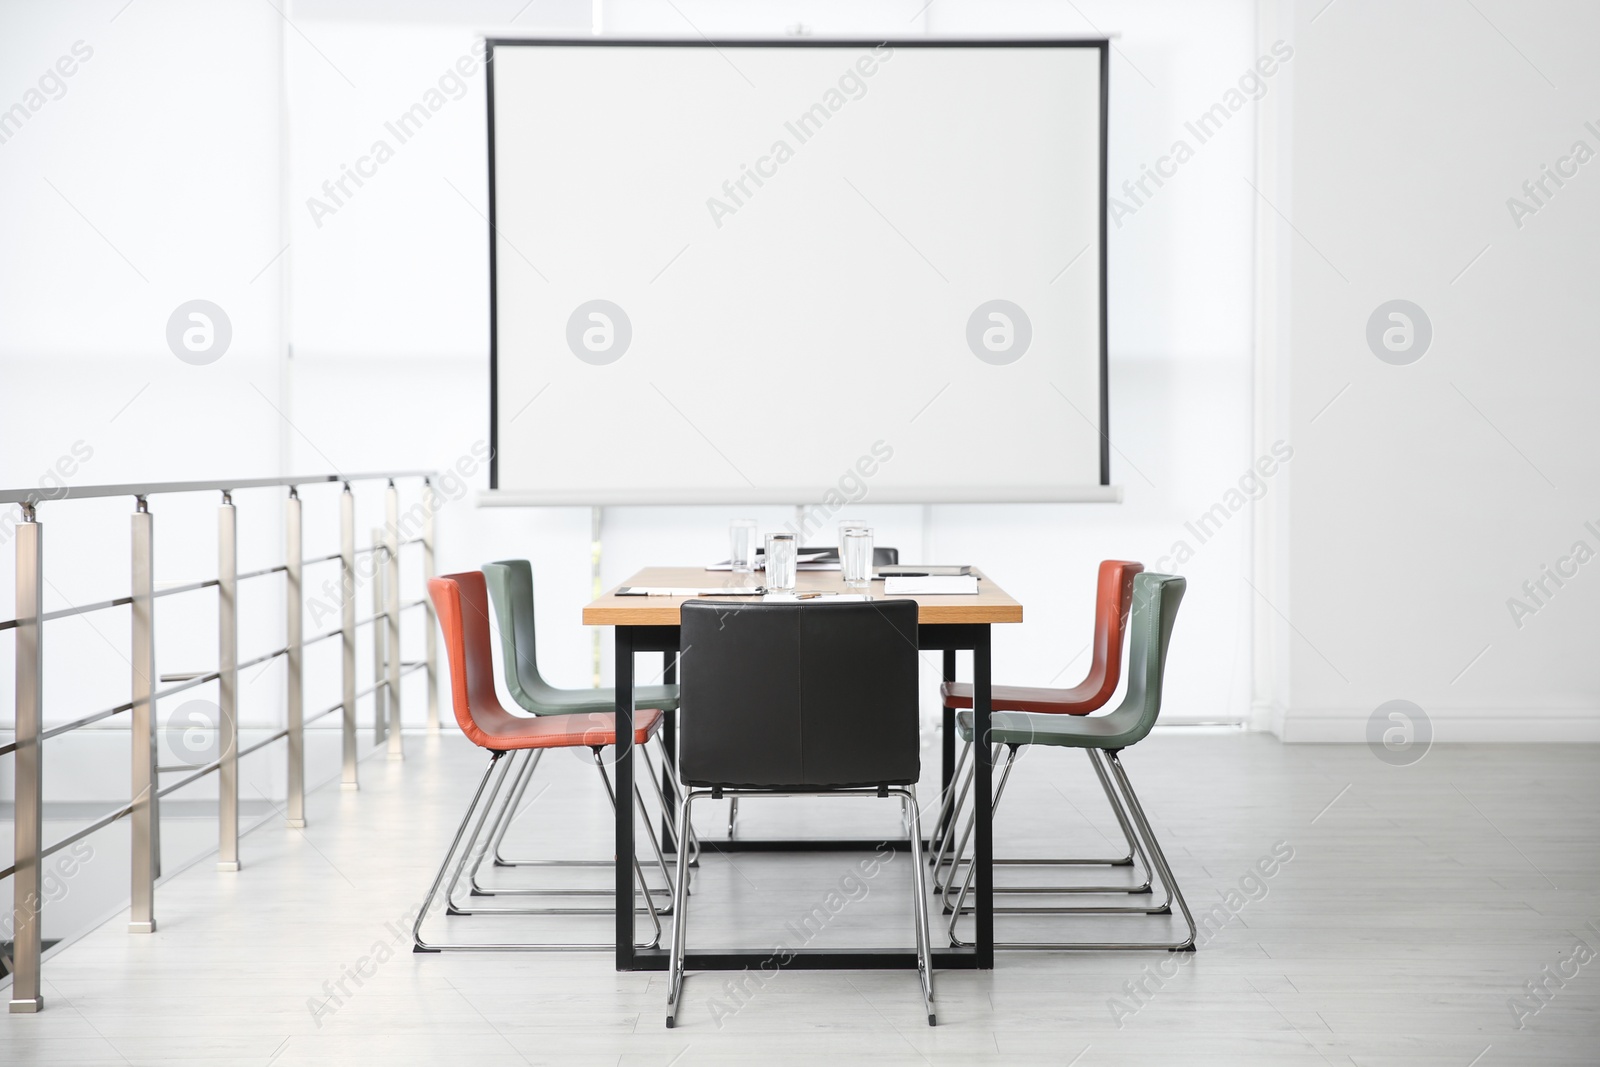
(462, 604)
(1113, 602)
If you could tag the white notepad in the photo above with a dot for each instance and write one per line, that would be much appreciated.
(931, 585)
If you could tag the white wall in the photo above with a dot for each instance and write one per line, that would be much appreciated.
(402, 268)
(182, 162)
(1425, 495)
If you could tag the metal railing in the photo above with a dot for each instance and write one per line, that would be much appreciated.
(143, 807)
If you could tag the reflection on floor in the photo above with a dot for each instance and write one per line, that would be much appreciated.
(1413, 909)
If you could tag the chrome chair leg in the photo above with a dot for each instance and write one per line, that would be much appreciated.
(677, 800)
(733, 814)
(946, 801)
(966, 834)
(1165, 907)
(919, 911)
(941, 878)
(465, 845)
(512, 813)
(1153, 850)
(680, 916)
(1134, 854)
(649, 835)
(649, 903)
(1136, 809)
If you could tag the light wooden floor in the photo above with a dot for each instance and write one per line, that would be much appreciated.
(1418, 902)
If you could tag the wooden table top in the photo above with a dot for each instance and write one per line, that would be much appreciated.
(990, 604)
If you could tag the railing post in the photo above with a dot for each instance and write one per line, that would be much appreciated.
(380, 715)
(228, 684)
(27, 904)
(430, 503)
(142, 819)
(347, 637)
(294, 638)
(392, 589)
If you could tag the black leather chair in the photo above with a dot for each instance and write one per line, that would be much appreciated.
(799, 699)
(882, 556)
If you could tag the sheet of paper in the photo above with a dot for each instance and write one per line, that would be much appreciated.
(671, 590)
(932, 585)
(812, 598)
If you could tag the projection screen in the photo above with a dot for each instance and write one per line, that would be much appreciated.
(743, 271)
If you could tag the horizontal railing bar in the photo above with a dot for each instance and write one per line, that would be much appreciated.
(67, 727)
(417, 603)
(320, 559)
(409, 667)
(36, 496)
(189, 588)
(195, 777)
(323, 714)
(264, 742)
(320, 637)
(67, 613)
(263, 571)
(370, 619)
(199, 679)
(98, 824)
(83, 609)
(262, 659)
(181, 676)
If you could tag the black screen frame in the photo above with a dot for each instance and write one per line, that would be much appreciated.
(1100, 44)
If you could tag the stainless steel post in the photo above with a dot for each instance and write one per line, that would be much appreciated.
(392, 589)
(347, 622)
(430, 503)
(142, 819)
(227, 685)
(380, 635)
(29, 763)
(294, 641)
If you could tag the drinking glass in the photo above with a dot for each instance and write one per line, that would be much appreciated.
(847, 524)
(781, 559)
(742, 545)
(855, 556)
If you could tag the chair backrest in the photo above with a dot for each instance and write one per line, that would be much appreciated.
(510, 583)
(462, 605)
(1112, 602)
(1155, 606)
(799, 696)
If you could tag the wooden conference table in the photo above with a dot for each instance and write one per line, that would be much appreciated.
(947, 623)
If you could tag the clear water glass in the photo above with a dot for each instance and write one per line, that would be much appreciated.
(781, 559)
(742, 545)
(844, 526)
(855, 556)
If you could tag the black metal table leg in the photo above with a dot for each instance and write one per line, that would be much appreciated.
(624, 778)
(983, 800)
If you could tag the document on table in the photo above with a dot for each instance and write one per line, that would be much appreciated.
(815, 598)
(931, 585)
(672, 590)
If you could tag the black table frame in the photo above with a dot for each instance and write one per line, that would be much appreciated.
(947, 637)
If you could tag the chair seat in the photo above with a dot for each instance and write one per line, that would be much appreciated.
(1027, 698)
(1062, 731)
(547, 700)
(568, 731)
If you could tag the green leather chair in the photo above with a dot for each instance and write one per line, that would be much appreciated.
(510, 583)
(1155, 607)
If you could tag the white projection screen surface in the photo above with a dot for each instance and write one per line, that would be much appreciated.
(748, 272)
